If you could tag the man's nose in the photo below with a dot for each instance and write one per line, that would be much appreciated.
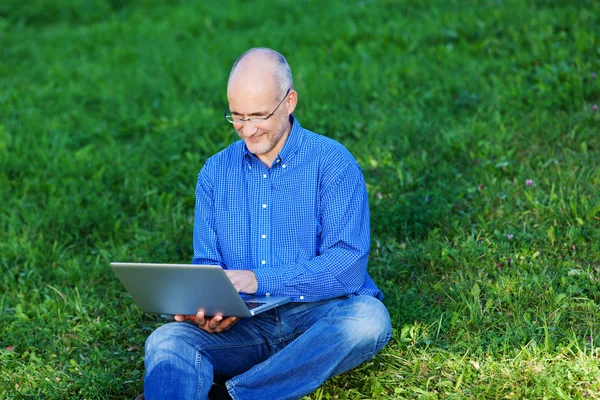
(248, 129)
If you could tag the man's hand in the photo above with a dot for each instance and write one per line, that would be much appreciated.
(244, 280)
(214, 324)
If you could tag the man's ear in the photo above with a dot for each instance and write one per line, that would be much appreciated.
(292, 101)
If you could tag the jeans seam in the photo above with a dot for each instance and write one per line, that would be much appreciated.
(199, 369)
(291, 336)
(252, 371)
(231, 391)
(229, 346)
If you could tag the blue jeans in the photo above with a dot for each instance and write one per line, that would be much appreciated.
(284, 353)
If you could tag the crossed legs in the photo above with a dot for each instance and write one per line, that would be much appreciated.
(284, 353)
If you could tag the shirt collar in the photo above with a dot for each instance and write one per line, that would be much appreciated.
(291, 145)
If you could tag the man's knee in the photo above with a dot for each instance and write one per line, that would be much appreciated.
(162, 337)
(174, 366)
(171, 340)
(367, 322)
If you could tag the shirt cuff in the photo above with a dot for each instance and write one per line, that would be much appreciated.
(269, 281)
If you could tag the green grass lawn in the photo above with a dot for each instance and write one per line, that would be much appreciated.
(475, 123)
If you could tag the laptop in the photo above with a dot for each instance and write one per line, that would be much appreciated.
(185, 288)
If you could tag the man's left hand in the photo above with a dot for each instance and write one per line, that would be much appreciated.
(243, 280)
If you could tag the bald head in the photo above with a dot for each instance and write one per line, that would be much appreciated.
(263, 65)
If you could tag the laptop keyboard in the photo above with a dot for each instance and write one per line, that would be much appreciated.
(253, 304)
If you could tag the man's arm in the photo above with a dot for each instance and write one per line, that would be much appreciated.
(340, 267)
(205, 241)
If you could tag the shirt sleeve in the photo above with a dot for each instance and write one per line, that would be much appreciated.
(340, 267)
(206, 245)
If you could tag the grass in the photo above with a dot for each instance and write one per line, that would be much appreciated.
(108, 110)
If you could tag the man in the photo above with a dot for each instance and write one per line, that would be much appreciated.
(284, 211)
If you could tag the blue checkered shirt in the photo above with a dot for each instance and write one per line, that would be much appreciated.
(302, 225)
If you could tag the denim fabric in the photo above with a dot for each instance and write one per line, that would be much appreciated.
(284, 353)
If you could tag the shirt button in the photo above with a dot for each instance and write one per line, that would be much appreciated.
(249, 166)
(264, 236)
(301, 297)
(283, 166)
(263, 262)
(264, 175)
(264, 206)
(267, 294)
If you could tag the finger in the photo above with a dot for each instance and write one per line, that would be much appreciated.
(227, 323)
(181, 318)
(200, 317)
(214, 322)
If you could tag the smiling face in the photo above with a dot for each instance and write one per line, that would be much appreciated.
(252, 92)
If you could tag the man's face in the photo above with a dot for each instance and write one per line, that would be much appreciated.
(266, 138)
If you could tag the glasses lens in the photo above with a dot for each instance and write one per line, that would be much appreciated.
(257, 121)
(233, 120)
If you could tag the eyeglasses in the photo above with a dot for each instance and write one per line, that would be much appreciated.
(254, 120)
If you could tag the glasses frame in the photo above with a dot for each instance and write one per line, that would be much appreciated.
(254, 120)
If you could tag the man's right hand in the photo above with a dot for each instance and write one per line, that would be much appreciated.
(214, 324)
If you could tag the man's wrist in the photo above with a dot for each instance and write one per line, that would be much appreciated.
(255, 282)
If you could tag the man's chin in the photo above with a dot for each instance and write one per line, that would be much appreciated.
(256, 148)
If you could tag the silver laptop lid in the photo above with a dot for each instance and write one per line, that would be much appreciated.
(185, 288)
